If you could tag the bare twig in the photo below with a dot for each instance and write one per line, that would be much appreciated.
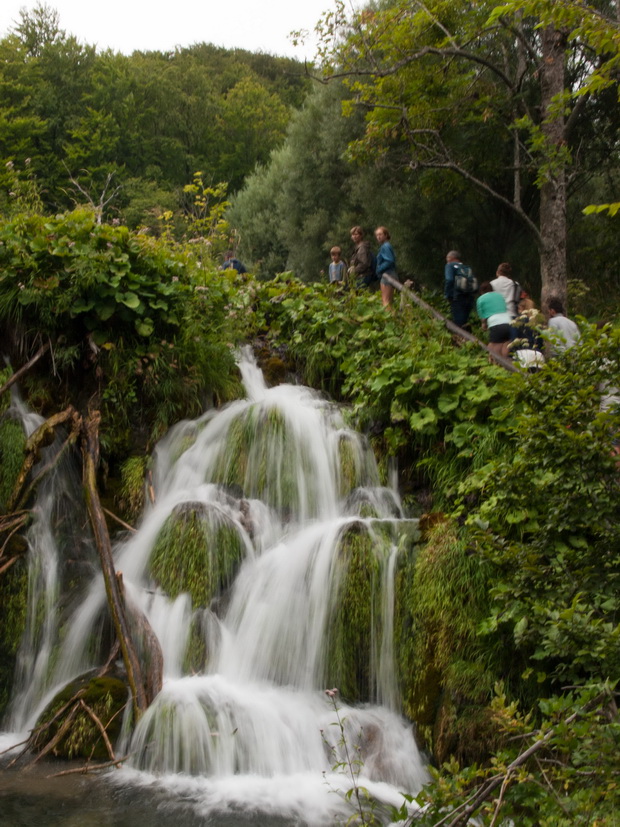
(64, 728)
(100, 727)
(118, 519)
(8, 564)
(25, 368)
(90, 768)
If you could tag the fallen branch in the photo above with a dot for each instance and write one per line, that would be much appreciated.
(150, 644)
(118, 519)
(9, 526)
(41, 438)
(8, 564)
(13, 746)
(116, 604)
(91, 713)
(90, 768)
(25, 368)
(460, 816)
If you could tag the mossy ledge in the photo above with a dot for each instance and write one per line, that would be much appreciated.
(197, 551)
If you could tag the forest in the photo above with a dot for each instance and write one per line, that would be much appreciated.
(488, 128)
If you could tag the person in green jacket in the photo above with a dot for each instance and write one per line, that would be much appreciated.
(491, 308)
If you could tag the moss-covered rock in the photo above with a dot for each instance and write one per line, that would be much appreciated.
(197, 551)
(355, 616)
(263, 459)
(104, 697)
(13, 608)
(131, 489)
(12, 443)
(447, 670)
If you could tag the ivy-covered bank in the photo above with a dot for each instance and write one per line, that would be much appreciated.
(507, 632)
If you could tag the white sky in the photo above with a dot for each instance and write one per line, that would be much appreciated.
(129, 25)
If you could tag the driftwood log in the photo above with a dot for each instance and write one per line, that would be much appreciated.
(115, 594)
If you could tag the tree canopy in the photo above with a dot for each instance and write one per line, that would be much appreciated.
(150, 119)
(501, 95)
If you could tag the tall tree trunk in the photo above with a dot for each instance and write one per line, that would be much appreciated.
(553, 190)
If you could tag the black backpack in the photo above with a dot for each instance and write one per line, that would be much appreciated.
(464, 279)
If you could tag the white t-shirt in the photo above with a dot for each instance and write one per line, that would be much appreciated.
(506, 286)
(566, 332)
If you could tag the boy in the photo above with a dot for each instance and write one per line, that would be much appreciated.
(337, 268)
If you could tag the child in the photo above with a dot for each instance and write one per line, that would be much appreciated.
(337, 268)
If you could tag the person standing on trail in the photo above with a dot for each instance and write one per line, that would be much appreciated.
(337, 267)
(491, 308)
(360, 264)
(386, 265)
(461, 302)
(509, 288)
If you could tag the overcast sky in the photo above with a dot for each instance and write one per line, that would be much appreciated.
(129, 25)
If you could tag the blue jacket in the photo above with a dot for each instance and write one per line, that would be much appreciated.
(448, 289)
(386, 260)
(233, 264)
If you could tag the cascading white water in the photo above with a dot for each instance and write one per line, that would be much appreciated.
(281, 474)
(33, 679)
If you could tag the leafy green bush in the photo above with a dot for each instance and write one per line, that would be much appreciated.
(143, 327)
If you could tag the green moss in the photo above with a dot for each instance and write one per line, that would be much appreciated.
(355, 617)
(262, 459)
(196, 654)
(349, 466)
(275, 370)
(13, 607)
(131, 493)
(447, 671)
(106, 697)
(5, 398)
(12, 442)
(197, 551)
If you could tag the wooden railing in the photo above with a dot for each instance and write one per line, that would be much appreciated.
(408, 293)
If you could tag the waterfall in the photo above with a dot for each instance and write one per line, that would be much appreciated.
(266, 567)
(54, 505)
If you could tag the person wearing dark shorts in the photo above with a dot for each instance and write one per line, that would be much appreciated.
(492, 310)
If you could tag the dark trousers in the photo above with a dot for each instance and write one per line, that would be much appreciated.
(462, 305)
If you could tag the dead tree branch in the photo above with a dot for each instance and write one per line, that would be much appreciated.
(25, 368)
(92, 715)
(41, 438)
(116, 604)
